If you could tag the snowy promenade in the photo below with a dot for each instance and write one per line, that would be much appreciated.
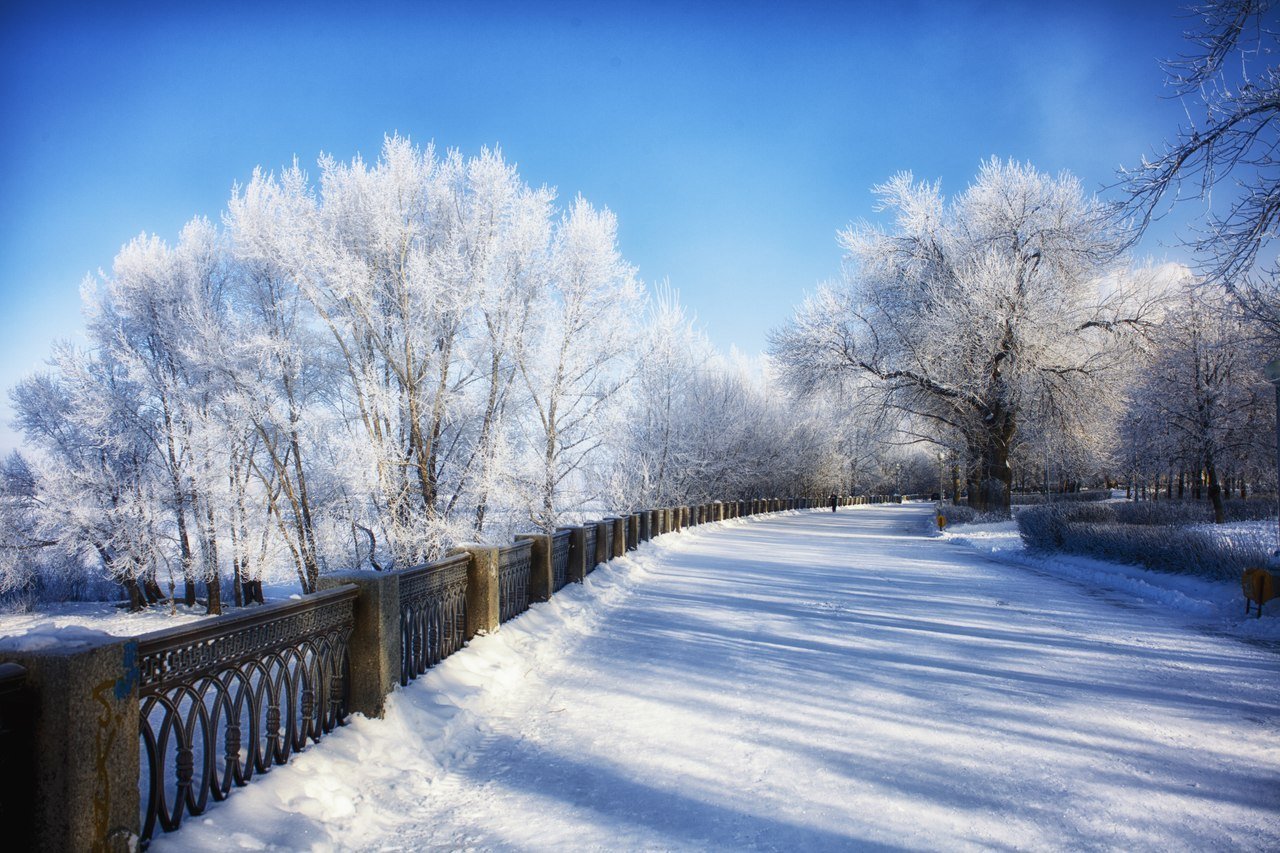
(810, 681)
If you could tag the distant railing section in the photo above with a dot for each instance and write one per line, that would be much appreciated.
(560, 559)
(433, 614)
(513, 579)
(589, 537)
(227, 699)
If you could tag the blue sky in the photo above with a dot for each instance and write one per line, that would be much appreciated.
(732, 140)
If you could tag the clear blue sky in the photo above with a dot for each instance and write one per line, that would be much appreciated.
(732, 139)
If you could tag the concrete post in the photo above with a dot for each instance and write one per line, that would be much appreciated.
(620, 528)
(604, 542)
(542, 579)
(374, 648)
(580, 562)
(484, 612)
(82, 695)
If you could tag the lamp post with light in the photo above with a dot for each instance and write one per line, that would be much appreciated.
(1272, 370)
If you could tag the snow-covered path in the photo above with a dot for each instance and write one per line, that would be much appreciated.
(807, 681)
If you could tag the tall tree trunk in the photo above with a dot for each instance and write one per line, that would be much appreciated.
(1215, 493)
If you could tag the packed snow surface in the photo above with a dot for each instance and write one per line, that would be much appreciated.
(803, 681)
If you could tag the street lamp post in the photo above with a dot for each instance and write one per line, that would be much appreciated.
(1272, 371)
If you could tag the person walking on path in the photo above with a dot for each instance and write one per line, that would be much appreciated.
(834, 501)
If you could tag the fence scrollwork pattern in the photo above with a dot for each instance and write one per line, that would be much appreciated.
(513, 579)
(433, 614)
(224, 701)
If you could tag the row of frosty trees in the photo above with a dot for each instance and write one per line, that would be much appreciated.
(1007, 328)
(364, 371)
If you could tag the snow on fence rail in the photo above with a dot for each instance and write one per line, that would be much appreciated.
(228, 698)
(215, 705)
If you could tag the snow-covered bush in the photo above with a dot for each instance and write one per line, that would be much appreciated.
(1103, 531)
(963, 514)
(1076, 497)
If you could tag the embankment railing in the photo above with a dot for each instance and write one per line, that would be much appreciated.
(216, 704)
(433, 614)
(224, 700)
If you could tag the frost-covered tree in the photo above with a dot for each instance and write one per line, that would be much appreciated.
(576, 370)
(975, 315)
(1201, 402)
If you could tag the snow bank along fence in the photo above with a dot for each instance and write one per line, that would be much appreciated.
(106, 741)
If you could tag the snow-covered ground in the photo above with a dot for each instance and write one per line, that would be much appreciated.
(48, 621)
(806, 681)
(1212, 605)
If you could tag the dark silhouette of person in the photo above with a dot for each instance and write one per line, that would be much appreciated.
(834, 501)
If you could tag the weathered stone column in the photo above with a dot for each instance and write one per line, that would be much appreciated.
(620, 528)
(580, 562)
(484, 611)
(81, 696)
(542, 579)
(374, 648)
(604, 541)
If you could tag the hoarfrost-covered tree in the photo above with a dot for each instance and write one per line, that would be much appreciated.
(577, 371)
(1201, 402)
(974, 315)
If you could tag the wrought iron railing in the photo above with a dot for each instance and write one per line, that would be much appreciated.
(226, 700)
(433, 614)
(513, 579)
(17, 741)
(560, 558)
(590, 546)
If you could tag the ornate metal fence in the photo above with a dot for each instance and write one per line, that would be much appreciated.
(433, 614)
(513, 579)
(590, 546)
(227, 699)
(16, 748)
(560, 558)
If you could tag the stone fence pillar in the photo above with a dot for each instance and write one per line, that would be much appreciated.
(542, 581)
(484, 612)
(580, 562)
(620, 527)
(80, 696)
(374, 647)
(604, 542)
